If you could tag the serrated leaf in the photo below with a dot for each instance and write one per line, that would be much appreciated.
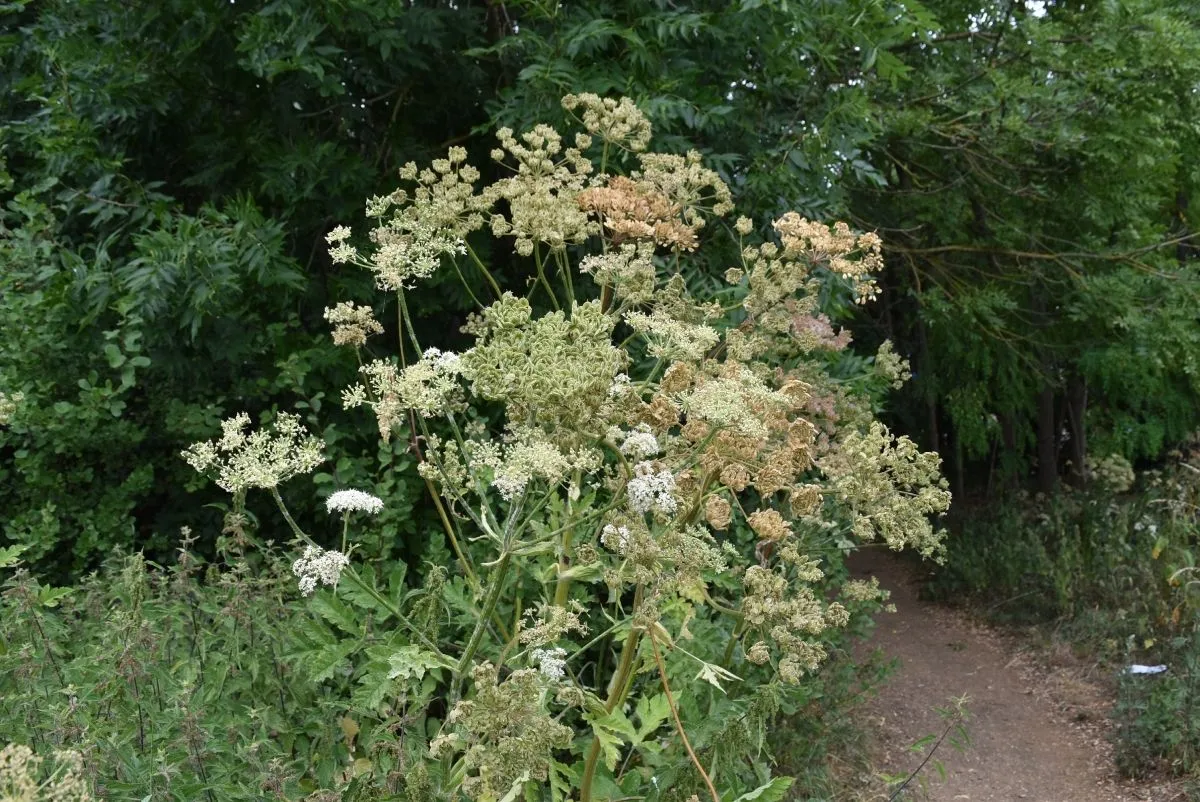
(373, 687)
(771, 792)
(713, 674)
(651, 711)
(49, 597)
(613, 731)
(10, 555)
(322, 663)
(562, 780)
(336, 612)
(411, 662)
(361, 598)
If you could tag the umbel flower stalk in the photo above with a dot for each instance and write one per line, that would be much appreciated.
(644, 488)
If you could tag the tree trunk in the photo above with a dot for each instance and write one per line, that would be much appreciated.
(959, 479)
(925, 371)
(1077, 394)
(1047, 439)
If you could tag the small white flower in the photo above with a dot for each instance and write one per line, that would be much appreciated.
(319, 565)
(640, 443)
(446, 360)
(352, 501)
(616, 538)
(620, 385)
(650, 489)
(551, 662)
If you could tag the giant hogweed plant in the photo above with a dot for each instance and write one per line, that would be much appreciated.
(643, 488)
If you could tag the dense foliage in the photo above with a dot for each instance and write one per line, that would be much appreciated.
(1037, 215)
(169, 172)
(645, 494)
(164, 213)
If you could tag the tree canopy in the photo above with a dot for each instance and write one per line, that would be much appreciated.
(170, 171)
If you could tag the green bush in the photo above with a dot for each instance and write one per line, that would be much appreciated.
(174, 683)
(644, 491)
(161, 218)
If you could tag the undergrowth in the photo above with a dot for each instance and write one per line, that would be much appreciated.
(1112, 569)
(192, 682)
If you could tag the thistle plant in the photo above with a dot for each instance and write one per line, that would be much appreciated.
(645, 489)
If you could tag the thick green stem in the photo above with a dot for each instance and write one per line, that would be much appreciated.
(287, 516)
(541, 271)
(563, 587)
(489, 607)
(407, 318)
(616, 695)
(564, 268)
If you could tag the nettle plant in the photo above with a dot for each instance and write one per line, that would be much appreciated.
(644, 489)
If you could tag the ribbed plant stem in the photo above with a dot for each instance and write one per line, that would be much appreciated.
(616, 695)
(489, 607)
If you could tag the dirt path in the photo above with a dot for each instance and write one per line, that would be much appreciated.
(1024, 745)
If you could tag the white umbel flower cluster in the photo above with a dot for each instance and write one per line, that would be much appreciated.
(552, 663)
(319, 565)
(616, 538)
(353, 501)
(640, 444)
(651, 489)
(620, 386)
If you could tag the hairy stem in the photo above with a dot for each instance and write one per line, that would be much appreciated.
(489, 607)
(562, 587)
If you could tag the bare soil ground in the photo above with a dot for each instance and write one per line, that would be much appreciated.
(1038, 722)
